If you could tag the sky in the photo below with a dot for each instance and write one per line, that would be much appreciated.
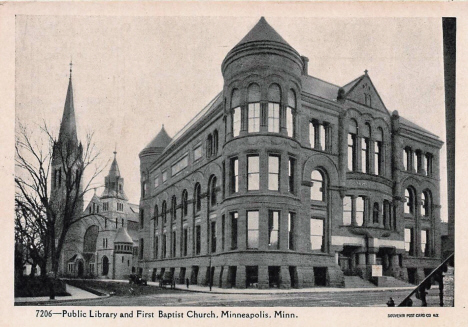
(131, 75)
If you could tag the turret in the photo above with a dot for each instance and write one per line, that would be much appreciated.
(154, 149)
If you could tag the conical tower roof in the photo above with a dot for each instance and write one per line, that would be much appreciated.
(160, 141)
(114, 169)
(122, 236)
(262, 31)
(68, 124)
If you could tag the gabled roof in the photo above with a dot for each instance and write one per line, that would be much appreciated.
(319, 88)
(348, 87)
(262, 31)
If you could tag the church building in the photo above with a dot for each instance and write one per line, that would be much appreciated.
(103, 241)
(287, 181)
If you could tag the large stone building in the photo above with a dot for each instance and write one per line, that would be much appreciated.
(285, 180)
(103, 240)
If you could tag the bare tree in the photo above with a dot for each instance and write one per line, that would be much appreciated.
(50, 185)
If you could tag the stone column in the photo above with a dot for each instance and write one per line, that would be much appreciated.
(285, 279)
(216, 276)
(305, 277)
(263, 278)
(203, 276)
(177, 276)
(225, 278)
(240, 277)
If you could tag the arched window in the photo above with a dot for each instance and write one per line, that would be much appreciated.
(197, 197)
(156, 214)
(365, 151)
(426, 204)
(215, 142)
(105, 265)
(378, 163)
(90, 239)
(236, 112)
(184, 203)
(290, 113)
(375, 213)
(317, 190)
(409, 204)
(253, 114)
(174, 208)
(274, 100)
(352, 136)
(213, 192)
(209, 145)
(164, 212)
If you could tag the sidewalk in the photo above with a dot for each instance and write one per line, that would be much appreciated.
(75, 294)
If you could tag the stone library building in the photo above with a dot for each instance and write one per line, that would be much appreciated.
(286, 181)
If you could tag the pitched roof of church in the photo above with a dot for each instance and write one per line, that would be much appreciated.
(160, 141)
(68, 124)
(262, 31)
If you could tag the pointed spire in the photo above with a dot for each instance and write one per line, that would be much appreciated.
(114, 169)
(161, 140)
(68, 124)
(262, 31)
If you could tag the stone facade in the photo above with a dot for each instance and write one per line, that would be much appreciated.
(284, 180)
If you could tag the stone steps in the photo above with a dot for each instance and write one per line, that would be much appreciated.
(357, 282)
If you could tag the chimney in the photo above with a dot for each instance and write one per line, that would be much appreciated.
(305, 65)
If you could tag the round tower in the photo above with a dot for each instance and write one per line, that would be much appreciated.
(154, 149)
(123, 247)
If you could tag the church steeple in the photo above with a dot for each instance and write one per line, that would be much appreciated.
(68, 125)
(114, 182)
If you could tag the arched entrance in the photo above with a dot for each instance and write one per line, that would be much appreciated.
(105, 266)
(80, 268)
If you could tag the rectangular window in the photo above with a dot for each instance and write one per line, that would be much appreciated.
(415, 162)
(223, 226)
(273, 230)
(365, 155)
(360, 210)
(409, 240)
(254, 118)
(142, 218)
(273, 117)
(164, 245)
(347, 210)
(236, 121)
(291, 174)
(290, 122)
(142, 248)
(428, 164)
(312, 134)
(253, 173)
(164, 176)
(316, 234)
(174, 247)
(273, 173)
(156, 181)
(351, 152)
(234, 174)
(143, 189)
(197, 152)
(252, 229)
(185, 246)
(156, 247)
(234, 216)
(323, 137)
(180, 165)
(197, 239)
(291, 218)
(424, 243)
(378, 157)
(213, 236)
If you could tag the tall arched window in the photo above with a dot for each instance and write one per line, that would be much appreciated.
(274, 100)
(197, 197)
(290, 113)
(317, 189)
(378, 163)
(409, 204)
(174, 208)
(209, 145)
(236, 112)
(105, 265)
(426, 204)
(253, 108)
(375, 213)
(90, 239)
(184, 203)
(213, 192)
(156, 214)
(215, 142)
(352, 137)
(164, 212)
(365, 151)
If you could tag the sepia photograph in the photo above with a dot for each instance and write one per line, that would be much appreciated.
(185, 165)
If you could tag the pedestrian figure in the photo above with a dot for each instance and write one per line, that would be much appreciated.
(187, 281)
(391, 303)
